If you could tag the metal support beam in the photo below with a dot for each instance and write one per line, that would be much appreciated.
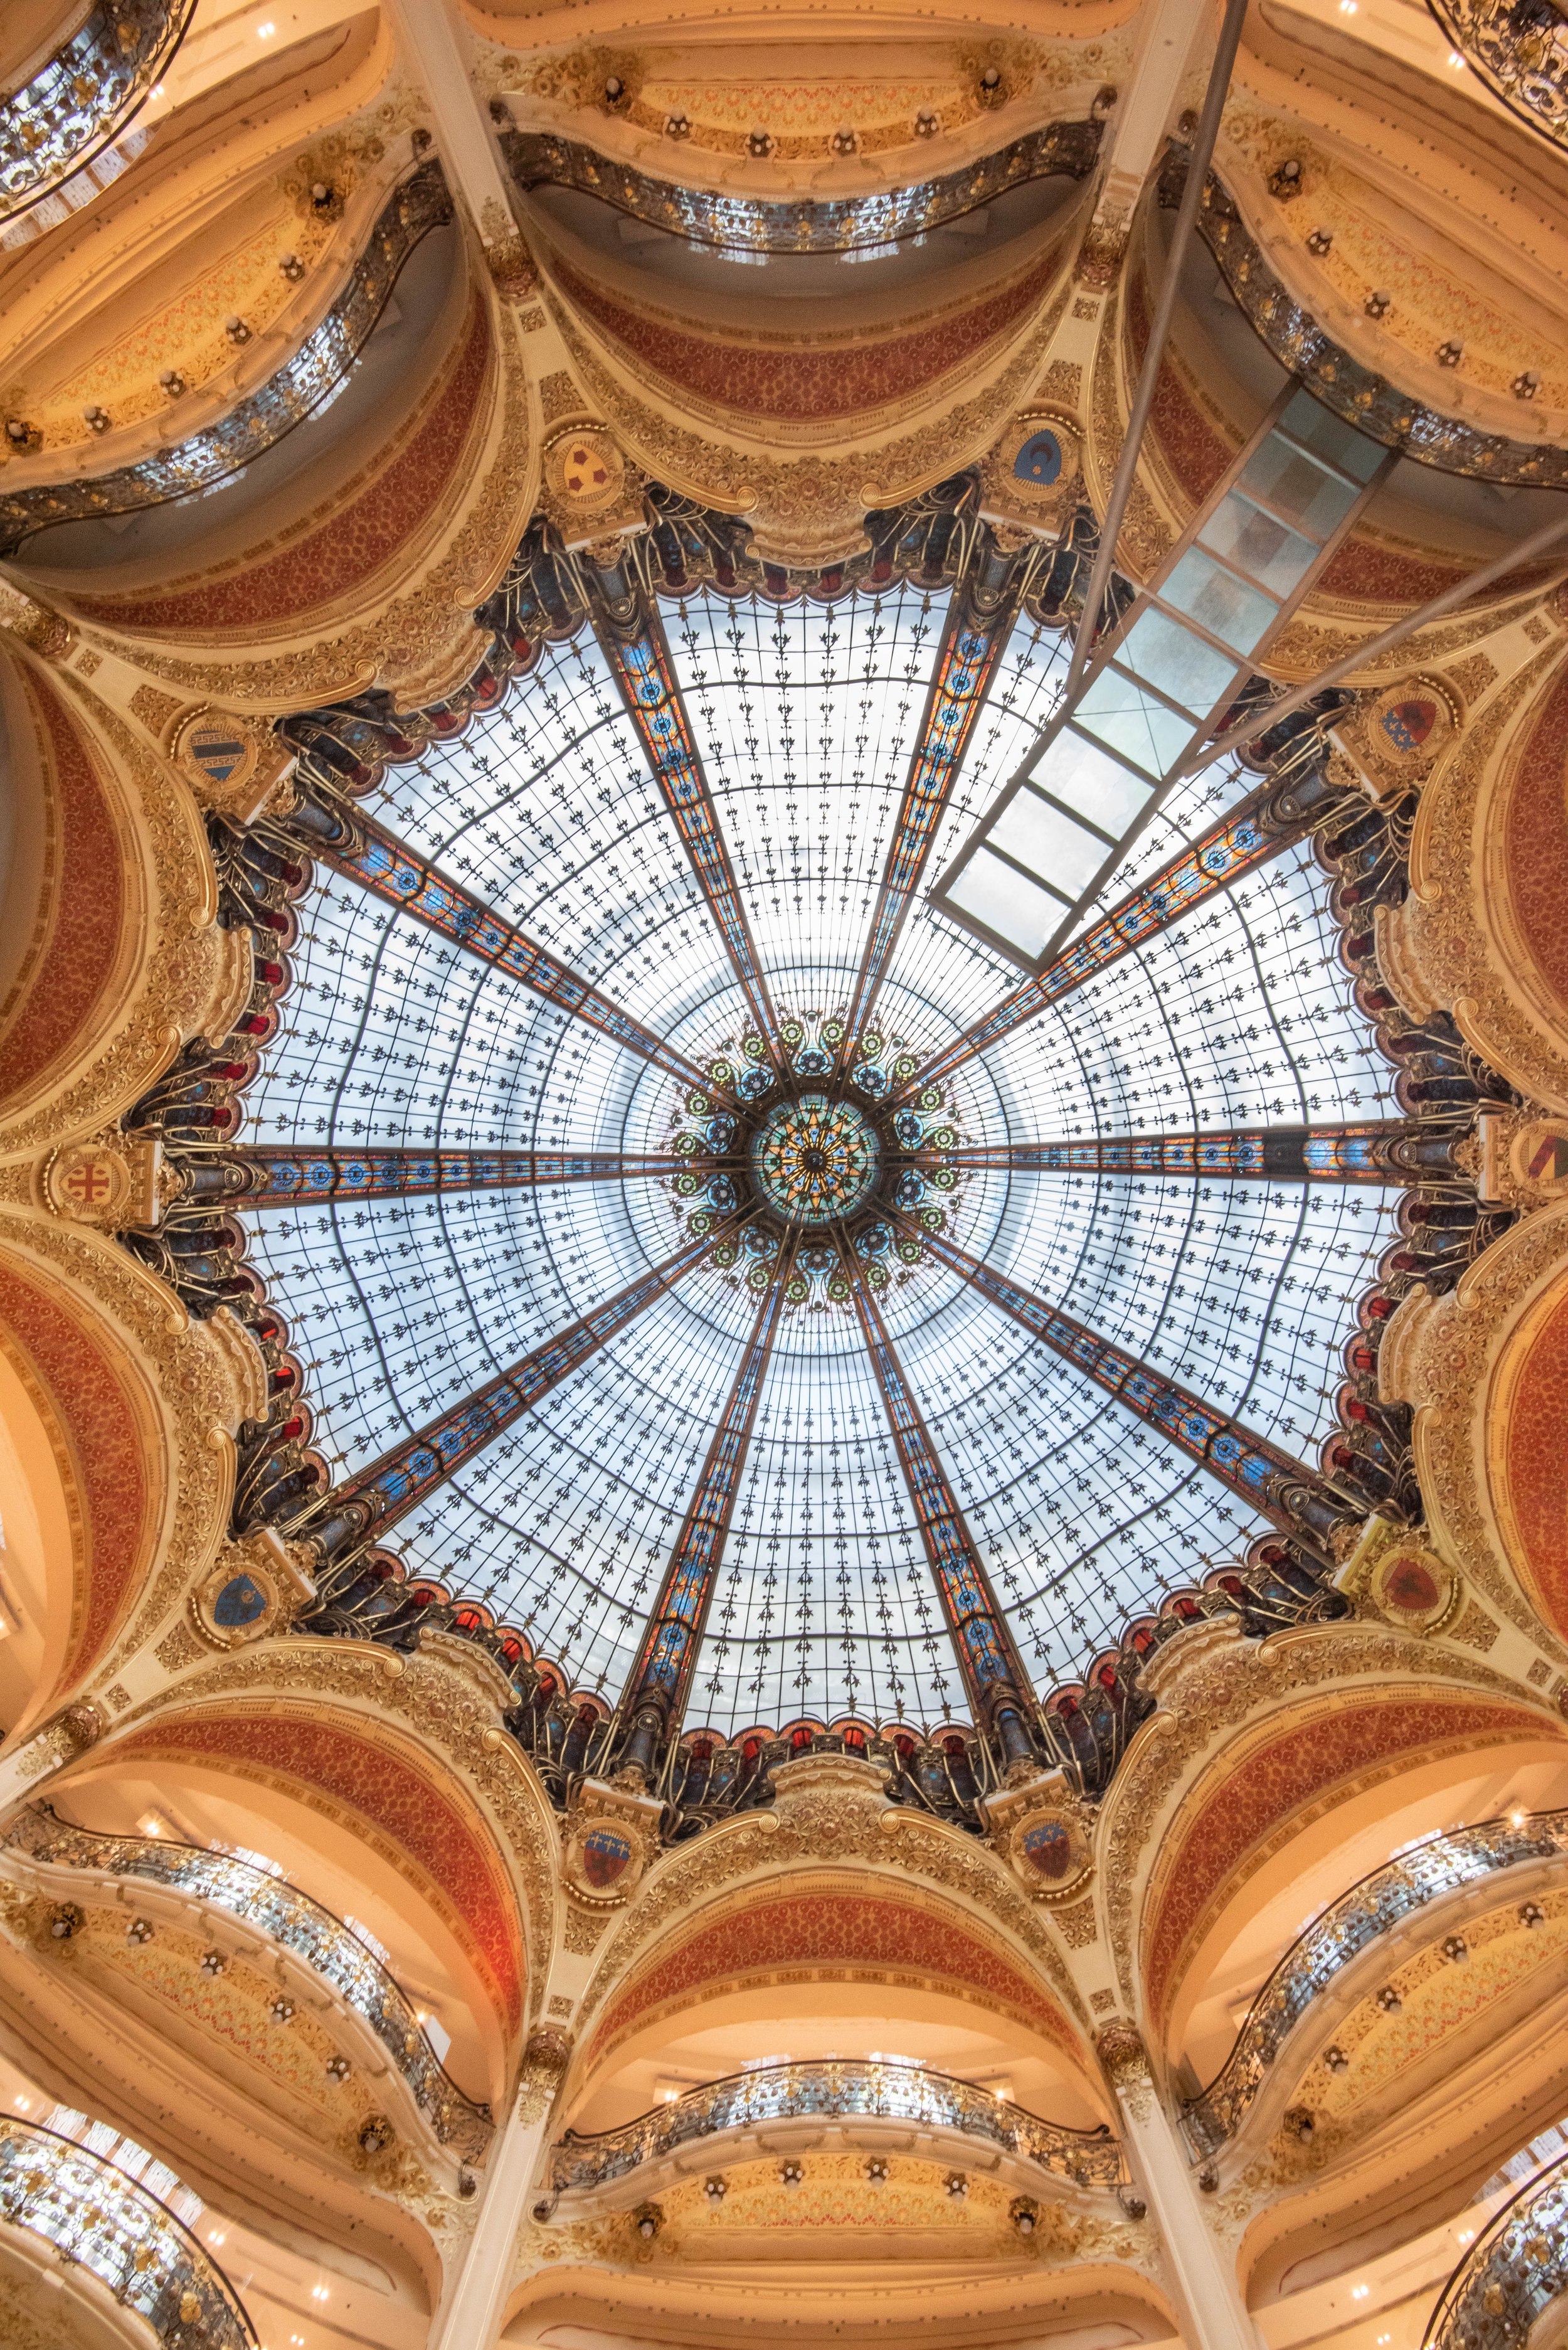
(660, 1683)
(1270, 820)
(362, 1508)
(640, 665)
(387, 867)
(1267, 1479)
(281, 1176)
(1000, 1692)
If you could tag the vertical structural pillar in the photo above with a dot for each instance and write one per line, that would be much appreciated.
(473, 2305)
(437, 52)
(1210, 2308)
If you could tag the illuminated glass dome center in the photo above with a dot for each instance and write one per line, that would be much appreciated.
(815, 1161)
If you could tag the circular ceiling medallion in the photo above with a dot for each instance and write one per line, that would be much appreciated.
(815, 1161)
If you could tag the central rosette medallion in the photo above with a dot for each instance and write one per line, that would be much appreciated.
(815, 1161)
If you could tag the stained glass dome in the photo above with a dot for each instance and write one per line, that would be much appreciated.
(783, 1123)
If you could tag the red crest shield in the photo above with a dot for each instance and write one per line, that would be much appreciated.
(607, 1854)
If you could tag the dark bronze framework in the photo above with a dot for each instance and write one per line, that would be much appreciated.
(196, 1111)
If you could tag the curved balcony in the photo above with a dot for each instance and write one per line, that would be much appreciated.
(83, 97)
(1512, 2272)
(835, 2090)
(756, 224)
(95, 2214)
(1356, 392)
(1520, 53)
(299, 1925)
(260, 420)
(1371, 1909)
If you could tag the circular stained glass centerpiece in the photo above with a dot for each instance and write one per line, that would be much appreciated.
(815, 1160)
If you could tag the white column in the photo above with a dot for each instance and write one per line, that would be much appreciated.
(437, 55)
(46, 1751)
(474, 2304)
(1210, 2308)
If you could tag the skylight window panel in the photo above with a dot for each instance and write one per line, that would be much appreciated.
(1013, 903)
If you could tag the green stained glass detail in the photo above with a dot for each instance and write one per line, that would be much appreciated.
(815, 1160)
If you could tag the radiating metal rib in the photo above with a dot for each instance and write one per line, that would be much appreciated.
(1263, 1154)
(659, 1682)
(1269, 1480)
(1252, 834)
(387, 1489)
(971, 651)
(995, 1682)
(283, 1177)
(382, 863)
(640, 665)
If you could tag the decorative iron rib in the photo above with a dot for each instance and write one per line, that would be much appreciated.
(668, 1657)
(647, 687)
(1248, 1464)
(385, 865)
(992, 1667)
(398, 1482)
(1267, 1154)
(966, 664)
(1241, 840)
(282, 1177)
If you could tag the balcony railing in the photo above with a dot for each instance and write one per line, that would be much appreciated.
(93, 2213)
(301, 1926)
(1520, 53)
(1511, 2273)
(1372, 1908)
(83, 95)
(834, 2090)
(260, 420)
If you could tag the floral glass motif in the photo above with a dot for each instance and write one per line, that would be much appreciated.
(815, 1160)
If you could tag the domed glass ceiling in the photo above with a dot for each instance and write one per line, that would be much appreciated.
(806, 717)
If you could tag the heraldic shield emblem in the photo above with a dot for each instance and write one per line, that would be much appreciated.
(606, 1855)
(1050, 1851)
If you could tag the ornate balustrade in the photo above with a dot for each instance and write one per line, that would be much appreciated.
(1511, 2273)
(737, 224)
(834, 2090)
(1519, 50)
(261, 417)
(84, 95)
(95, 2214)
(1371, 1909)
(301, 1926)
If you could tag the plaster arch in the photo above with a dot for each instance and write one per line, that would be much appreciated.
(817, 1952)
(372, 579)
(111, 909)
(1481, 933)
(92, 1460)
(1285, 1799)
(348, 1797)
(1482, 1368)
